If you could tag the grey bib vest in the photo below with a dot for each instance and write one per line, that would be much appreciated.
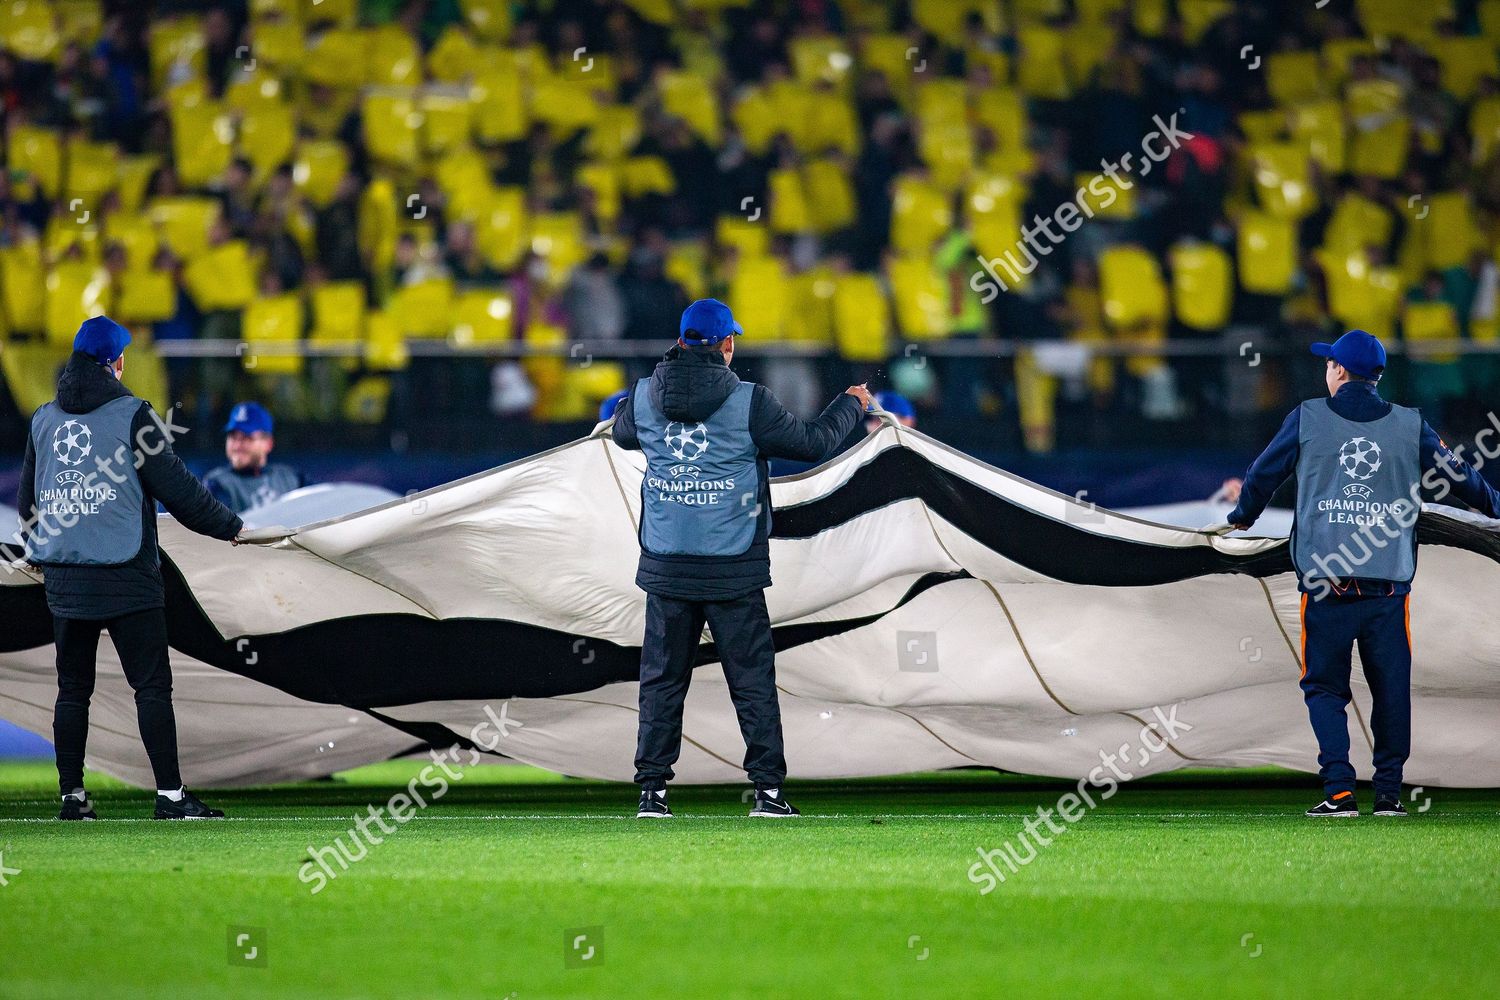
(700, 493)
(1356, 515)
(88, 494)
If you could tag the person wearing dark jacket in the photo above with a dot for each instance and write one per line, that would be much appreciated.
(705, 541)
(97, 461)
(1363, 466)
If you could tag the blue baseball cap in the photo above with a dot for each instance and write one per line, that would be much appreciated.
(1357, 351)
(248, 418)
(705, 323)
(895, 404)
(102, 339)
(612, 403)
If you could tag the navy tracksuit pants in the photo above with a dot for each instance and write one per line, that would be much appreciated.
(742, 636)
(1380, 627)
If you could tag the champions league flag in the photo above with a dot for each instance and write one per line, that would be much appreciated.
(929, 612)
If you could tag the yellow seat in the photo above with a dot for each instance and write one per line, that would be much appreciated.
(1357, 223)
(943, 101)
(1283, 179)
(920, 296)
(1428, 321)
(1447, 232)
(1465, 62)
(500, 113)
(256, 90)
(809, 315)
(566, 105)
(1200, 15)
(1003, 110)
(385, 345)
(135, 234)
(1098, 11)
(821, 59)
(694, 100)
(1106, 198)
(80, 21)
(1319, 128)
(29, 29)
(268, 137)
(146, 296)
(1202, 285)
(1484, 127)
(604, 181)
(22, 288)
(338, 12)
(446, 121)
(750, 239)
(1042, 66)
(391, 126)
(1131, 285)
(829, 123)
(1263, 126)
(829, 194)
(557, 237)
(37, 152)
(947, 18)
(280, 46)
(861, 318)
(337, 58)
(759, 294)
(464, 178)
(202, 142)
(921, 213)
(367, 400)
(338, 312)
(1149, 17)
(994, 205)
(273, 322)
(615, 133)
(1381, 151)
(175, 47)
(30, 371)
(687, 265)
(133, 176)
(392, 58)
(1339, 55)
(1361, 295)
(319, 168)
(91, 171)
(1402, 18)
(1267, 252)
(646, 175)
(146, 376)
(948, 150)
(223, 277)
(789, 202)
(183, 222)
(1294, 77)
(423, 309)
(76, 290)
(483, 317)
(455, 57)
(67, 237)
(1086, 47)
(490, 19)
(757, 120)
(501, 229)
(891, 56)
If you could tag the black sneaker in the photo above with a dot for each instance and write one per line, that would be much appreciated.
(73, 809)
(1340, 805)
(188, 808)
(1389, 807)
(769, 802)
(653, 805)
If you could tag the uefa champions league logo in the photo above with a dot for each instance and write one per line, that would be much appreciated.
(1359, 458)
(687, 442)
(72, 443)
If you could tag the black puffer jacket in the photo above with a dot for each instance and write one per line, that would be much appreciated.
(99, 592)
(692, 385)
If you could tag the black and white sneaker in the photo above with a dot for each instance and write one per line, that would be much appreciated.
(75, 808)
(1340, 805)
(1389, 807)
(769, 802)
(653, 805)
(188, 807)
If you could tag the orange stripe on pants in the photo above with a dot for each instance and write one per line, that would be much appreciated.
(1304, 632)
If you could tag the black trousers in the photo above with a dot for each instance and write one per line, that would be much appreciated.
(141, 640)
(742, 635)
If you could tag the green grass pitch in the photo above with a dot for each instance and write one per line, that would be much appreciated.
(1205, 883)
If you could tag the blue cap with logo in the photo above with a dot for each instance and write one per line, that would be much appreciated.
(895, 404)
(705, 323)
(248, 418)
(611, 403)
(102, 339)
(1357, 351)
